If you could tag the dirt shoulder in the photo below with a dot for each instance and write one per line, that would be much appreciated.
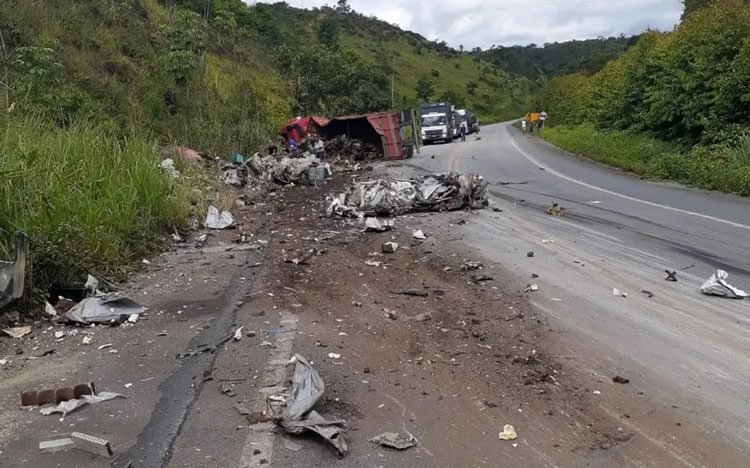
(450, 366)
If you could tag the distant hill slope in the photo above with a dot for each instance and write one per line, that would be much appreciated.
(559, 58)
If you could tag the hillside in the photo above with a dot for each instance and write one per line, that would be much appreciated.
(555, 59)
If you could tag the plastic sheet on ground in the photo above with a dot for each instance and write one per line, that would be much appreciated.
(299, 415)
(218, 220)
(168, 167)
(69, 406)
(434, 192)
(101, 310)
(717, 285)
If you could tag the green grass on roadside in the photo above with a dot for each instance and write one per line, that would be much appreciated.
(88, 201)
(724, 168)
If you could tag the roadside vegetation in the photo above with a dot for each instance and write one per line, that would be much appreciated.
(675, 106)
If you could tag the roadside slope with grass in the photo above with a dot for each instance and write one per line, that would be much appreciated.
(674, 107)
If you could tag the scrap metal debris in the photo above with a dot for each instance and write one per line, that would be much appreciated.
(671, 275)
(299, 415)
(509, 433)
(92, 444)
(218, 220)
(390, 197)
(418, 234)
(17, 332)
(378, 224)
(394, 440)
(12, 274)
(471, 266)
(620, 380)
(389, 247)
(69, 406)
(717, 285)
(555, 210)
(618, 293)
(411, 292)
(102, 310)
(481, 278)
(531, 288)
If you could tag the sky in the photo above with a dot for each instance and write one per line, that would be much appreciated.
(482, 23)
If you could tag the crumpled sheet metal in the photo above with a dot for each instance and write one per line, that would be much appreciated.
(717, 285)
(299, 415)
(12, 274)
(101, 310)
(69, 406)
(218, 220)
(434, 192)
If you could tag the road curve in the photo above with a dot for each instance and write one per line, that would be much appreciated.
(687, 355)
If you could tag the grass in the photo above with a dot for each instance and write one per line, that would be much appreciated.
(89, 202)
(725, 168)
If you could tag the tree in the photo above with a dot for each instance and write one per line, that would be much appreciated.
(461, 47)
(328, 32)
(342, 6)
(692, 6)
(454, 98)
(425, 89)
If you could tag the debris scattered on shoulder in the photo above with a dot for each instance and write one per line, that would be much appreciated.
(418, 234)
(555, 210)
(509, 433)
(394, 440)
(390, 314)
(423, 317)
(648, 293)
(671, 275)
(299, 415)
(54, 396)
(238, 334)
(411, 292)
(17, 332)
(218, 220)
(531, 288)
(481, 278)
(717, 285)
(530, 254)
(620, 380)
(101, 310)
(389, 247)
(92, 444)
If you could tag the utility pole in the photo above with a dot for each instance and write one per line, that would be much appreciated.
(393, 83)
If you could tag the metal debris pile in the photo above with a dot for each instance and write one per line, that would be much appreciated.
(434, 192)
(257, 170)
(344, 148)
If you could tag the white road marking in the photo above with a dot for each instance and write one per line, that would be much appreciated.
(555, 173)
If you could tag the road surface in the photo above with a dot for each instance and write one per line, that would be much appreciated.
(686, 354)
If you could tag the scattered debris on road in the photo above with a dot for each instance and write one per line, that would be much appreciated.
(69, 406)
(531, 288)
(530, 254)
(394, 440)
(481, 278)
(389, 247)
(411, 292)
(648, 293)
(92, 444)
(509, 433)
(378, 224)
(227, 390)
(299, 415)
(555, 210)
(620, 380)
(418, 234)
(238, 334)
(717, 285)
(671, 275)
(471, 266)
(218, 220)
(44, 397)
(434, 192)
(17, 332)
(618, 293)
(101, 310)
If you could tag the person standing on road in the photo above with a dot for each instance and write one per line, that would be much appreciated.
(462, 129)
(523, 126)
(320, 148)
(531, 127)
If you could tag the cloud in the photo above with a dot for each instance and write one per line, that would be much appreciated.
(482, 23)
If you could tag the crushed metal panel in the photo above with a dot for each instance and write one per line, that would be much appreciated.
(12, 274)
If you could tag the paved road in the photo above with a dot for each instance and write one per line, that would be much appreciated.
(686, 354)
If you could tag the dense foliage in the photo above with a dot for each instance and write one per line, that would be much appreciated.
(555, 59)
(689, 87)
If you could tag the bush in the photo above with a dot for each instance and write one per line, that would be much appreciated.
(89, 202)
(670, 166)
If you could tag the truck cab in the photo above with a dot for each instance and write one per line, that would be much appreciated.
(436, 127)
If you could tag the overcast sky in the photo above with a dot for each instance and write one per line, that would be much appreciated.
(482, 23)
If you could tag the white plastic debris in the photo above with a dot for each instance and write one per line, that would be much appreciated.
(717, 285)
(389, 247)
(86, 340)
(378, 224)
(238, 334)
(100, 310)
(618, 293)
(69, 406)
(168, 167)
(218, 220)
(531, 288)
(92, 284)
(59, 334)
(509, 433)
(373, 263)
(334, 356)
(418, 234)
(49, 310)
